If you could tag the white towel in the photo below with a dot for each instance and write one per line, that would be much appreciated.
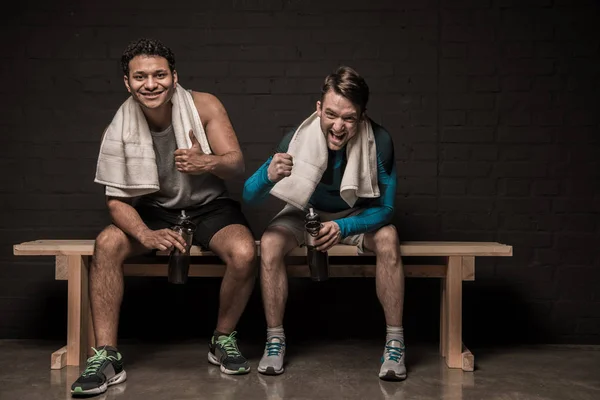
(127, 163)
(308, 148)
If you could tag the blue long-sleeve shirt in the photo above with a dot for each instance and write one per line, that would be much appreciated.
(326, 197)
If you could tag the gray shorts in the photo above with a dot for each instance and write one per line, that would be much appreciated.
(292, 218)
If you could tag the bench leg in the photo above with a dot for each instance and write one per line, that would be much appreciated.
(451, 347)
(91, 336)
(78, 316)
(59, 359)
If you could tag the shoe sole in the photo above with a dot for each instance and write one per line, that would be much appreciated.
(115, 380)
(271, 371)
(214, 361)
(392, 376)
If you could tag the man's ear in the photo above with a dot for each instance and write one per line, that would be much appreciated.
(363, 115)
(126, 82)
(175, 77)
(319, 109)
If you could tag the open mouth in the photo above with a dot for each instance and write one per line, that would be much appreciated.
(337, 138)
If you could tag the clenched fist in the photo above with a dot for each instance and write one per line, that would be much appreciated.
(280, 167)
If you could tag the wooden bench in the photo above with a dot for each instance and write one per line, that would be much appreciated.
(73, 258)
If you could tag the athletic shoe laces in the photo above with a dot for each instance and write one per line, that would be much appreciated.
(229, 344)
(95, 362)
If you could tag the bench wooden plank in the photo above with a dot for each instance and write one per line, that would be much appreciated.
(468, 361)
(483, 249)
(61, 270)
(58, 359)
(335, 271)
(296, 271)
(468, 268)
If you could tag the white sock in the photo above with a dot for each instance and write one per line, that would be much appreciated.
(276, 331)
(394, 333)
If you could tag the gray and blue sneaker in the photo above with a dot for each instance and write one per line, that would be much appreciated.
(271, 362)
(392, 361)
(103, 369)
(223, 351)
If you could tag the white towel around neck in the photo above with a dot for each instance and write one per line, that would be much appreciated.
(127, 163)
(308, 148)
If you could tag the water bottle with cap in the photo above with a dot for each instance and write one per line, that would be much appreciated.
(318, 261)
(179, 263)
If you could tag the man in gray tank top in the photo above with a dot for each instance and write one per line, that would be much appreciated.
(189, 180)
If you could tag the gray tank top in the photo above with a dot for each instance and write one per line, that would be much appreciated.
(179, 190)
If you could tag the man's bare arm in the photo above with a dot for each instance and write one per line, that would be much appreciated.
(126, 218)
(227, 160)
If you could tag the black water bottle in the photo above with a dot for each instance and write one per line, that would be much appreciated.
(179, 263)
(318, 261)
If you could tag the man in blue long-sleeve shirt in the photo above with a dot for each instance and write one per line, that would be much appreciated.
(341, 110)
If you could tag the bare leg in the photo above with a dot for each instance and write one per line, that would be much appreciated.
(112, 247)
(389, 272)
(390, 291)
(234, 244)
(275, 243)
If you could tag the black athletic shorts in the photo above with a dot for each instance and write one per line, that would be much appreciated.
(209, 218)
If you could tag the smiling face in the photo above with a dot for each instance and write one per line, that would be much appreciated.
(339, 119)
(150, 81)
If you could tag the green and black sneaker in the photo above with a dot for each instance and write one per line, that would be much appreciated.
(103, 369)
(223, 351)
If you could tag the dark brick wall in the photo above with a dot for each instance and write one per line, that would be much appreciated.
(492, 104)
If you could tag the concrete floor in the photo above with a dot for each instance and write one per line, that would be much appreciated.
(346, 370)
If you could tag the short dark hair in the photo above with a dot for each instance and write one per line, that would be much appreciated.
(148, 47)
(346, 82)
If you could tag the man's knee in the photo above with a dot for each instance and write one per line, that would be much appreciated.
(239, 254)
(386, 242)
(274, 244)
(243, 253)
(111, 243)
